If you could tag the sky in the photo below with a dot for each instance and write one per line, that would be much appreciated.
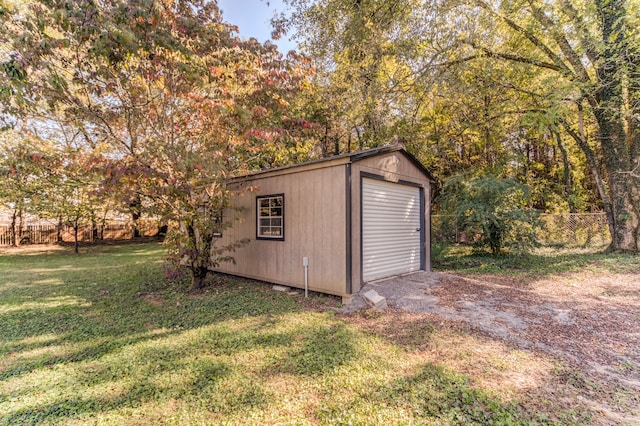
(253, 16)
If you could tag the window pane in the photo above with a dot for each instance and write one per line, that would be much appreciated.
(276, 202)
(270, 217)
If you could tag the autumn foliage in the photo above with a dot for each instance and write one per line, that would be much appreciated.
(171, 99)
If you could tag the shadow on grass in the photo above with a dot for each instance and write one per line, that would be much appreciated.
(203, 388)
(174, 365)
(129, 342)
(66, 312)
(320, 351)
(434, 395)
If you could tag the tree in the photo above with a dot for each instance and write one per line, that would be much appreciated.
(176, 102)
(25, 178)
(493, 211)
(364, 67)
(593, 48)
(73, 195)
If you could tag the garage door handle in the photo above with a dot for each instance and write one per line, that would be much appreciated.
(417, 229)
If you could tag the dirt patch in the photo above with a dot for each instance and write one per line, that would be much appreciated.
(591, 318)
(153, 299)
(587, 322)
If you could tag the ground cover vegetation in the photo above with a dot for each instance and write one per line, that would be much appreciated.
(104, 338)
(542, 262)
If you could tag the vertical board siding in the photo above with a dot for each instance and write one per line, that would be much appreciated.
(314, 221)
(316, 211)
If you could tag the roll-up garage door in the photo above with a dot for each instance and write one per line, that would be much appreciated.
(391, 229)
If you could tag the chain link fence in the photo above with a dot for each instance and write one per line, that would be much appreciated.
(558, 230)
(574, 230)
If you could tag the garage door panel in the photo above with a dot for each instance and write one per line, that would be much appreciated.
(391, 223)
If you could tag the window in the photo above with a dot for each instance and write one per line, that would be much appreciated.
(270, 217)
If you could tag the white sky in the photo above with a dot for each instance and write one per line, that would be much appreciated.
(253, 16)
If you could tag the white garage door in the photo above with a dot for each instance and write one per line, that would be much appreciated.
(390, 229)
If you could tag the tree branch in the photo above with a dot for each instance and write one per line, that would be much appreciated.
(587, 44)
(558, 64)
(530, 61)
(563, 43)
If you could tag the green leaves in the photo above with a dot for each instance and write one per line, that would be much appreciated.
(493, 212)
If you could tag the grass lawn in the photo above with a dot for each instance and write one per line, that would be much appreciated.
(543, 262)
(103, 338)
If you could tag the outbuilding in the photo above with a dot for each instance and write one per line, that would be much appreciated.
(347, 220)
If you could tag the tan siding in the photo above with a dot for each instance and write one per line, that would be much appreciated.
(314, 227)
(393, 167)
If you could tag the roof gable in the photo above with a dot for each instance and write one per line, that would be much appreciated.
(357, 156)
(351, 157)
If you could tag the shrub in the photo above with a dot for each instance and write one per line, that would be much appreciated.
(492, 211)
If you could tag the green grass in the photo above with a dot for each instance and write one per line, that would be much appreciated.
(102, 338)
(543, 262)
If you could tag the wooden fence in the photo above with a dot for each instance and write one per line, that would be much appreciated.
(48, 233)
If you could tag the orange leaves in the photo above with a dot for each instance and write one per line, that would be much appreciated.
(216, 71)
(259, 111)
(300, 123)
(266, 135)
(150, 21)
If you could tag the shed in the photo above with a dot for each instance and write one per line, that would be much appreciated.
(352, 218)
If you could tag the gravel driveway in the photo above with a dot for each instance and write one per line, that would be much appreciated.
(593, 324)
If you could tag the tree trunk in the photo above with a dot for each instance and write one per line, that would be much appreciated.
(59, 233)
(199, 255)
(94, 230)
(581, 140)
(568, 187)
(198, 275)
(20, 226)
(75, 236)
(608, 106)
(12, 232)
(325, 141)
(625, 215)
(135, 207)
(625, 212)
